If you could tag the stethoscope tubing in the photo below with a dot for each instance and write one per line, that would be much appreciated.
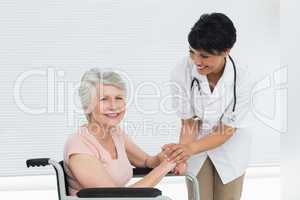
(195, 80)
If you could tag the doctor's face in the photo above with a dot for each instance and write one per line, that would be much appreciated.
(108, 105)
(207, 63)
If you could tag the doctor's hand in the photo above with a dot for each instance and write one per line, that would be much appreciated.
(177, 152)
(162, 156)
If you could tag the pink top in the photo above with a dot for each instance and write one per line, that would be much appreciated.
(83, 142)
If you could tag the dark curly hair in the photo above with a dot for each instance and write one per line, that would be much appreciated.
(213, 33)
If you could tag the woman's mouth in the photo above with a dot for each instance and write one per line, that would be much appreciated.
(112, 115)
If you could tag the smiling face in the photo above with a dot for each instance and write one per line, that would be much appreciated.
(108, 105)
(207, 63)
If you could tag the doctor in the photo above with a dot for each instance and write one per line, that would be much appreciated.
(211, 96)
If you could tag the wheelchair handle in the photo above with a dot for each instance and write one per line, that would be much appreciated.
(37, 162)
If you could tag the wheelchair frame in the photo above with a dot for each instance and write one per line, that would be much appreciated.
(137, 172)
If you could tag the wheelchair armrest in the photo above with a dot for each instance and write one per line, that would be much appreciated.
(118, 192)
(37, 162)
(141, 171)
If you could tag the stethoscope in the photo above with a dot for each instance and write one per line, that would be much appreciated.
(195, 80)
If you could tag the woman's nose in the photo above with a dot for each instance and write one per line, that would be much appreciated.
(113, 105)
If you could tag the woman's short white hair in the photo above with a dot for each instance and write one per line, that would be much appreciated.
(89, 81)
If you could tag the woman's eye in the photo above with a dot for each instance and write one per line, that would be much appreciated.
(204, 56)
(119, 98)
(103, 99)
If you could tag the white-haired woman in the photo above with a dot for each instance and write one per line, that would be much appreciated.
(100, 154)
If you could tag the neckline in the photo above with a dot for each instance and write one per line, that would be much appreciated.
(205, 83)
(220, 78)
(104, 150)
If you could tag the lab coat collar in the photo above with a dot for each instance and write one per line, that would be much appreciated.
(228, 74)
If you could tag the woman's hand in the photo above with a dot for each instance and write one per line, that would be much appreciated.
(154, 161)
(180, 169)
(177, 152)
(168, 164)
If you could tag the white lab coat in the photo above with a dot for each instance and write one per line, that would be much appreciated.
(231, 158)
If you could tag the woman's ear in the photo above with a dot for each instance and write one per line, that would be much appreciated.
(90, 108)
(87, 110)
(92, 103)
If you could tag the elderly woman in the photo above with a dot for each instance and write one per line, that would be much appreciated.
(100, 154)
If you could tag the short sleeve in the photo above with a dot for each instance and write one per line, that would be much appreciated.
(76, 145)
(180, 90)
(241, 118)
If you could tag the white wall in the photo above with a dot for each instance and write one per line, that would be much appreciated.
(290, 149)
(47, 45)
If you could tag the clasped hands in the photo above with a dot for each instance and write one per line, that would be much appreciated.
(176, 153)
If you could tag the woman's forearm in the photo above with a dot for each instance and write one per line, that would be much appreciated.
(152, 161)
(155, 176)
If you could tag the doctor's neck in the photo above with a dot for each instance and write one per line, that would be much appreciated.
(215, 75)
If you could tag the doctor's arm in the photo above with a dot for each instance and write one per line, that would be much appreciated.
(189, 130)
(188, 133)
(218, 137)
(226, 126)
(181, 152)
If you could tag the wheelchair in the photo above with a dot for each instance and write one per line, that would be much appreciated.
(108, 193)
